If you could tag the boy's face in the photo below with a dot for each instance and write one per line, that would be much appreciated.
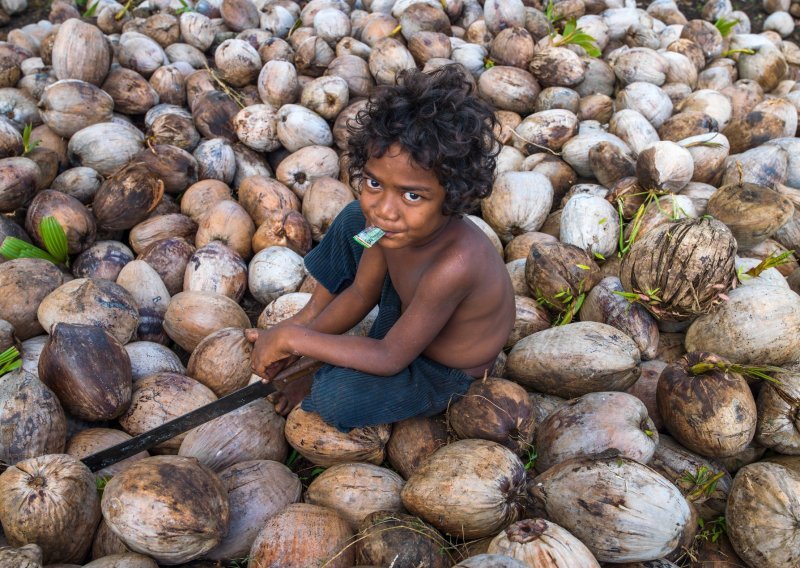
(402, 198)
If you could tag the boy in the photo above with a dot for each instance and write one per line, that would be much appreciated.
(423, 153)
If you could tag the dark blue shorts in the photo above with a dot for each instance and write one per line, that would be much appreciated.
(346, 398)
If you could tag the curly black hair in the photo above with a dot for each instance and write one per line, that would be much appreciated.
(439, 120)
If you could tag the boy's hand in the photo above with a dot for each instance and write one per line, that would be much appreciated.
(269, 357)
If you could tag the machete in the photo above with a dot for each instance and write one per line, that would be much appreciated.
(227, 403)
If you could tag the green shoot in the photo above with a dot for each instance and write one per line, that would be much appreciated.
(602, 221)
(27, 145)
(598, 256)
(725, 26)
(184, 8)
(772, 261)
(704, 482)
(649, 297)
(9, 360)
(101, 482)
(550, 13)
(583, 267)
(121, 14)
(530, 457)
(297, 23)
(746, 370)
(711, 530)
(239, 562)
(648, 433)
(292, 459)
(488, 63)
(89, 13)
(743, 50)
(395, 31)
(574, 35)
(571, 302)
(55, 241)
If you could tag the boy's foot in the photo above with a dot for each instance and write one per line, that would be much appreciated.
(290, 396)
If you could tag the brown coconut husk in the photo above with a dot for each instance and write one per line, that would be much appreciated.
(682, 269)
(706, 405)
(386, 537)
(413, 440)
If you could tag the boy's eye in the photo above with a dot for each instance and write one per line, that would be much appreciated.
(371, 183)
(411, 196)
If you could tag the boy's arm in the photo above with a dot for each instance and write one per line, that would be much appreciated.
(325, 313)
(438, 294)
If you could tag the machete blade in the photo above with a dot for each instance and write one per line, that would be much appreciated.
(195, 418)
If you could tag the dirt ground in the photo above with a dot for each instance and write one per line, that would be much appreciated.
(38, 10)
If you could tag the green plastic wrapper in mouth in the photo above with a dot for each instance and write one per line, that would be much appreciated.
(369, 236)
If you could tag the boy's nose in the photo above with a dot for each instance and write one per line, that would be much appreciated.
(386, 208)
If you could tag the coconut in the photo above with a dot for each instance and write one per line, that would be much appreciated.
(664, 166)
(304, 534)
(19, 180)
(259, 196)
(704, 482)
(172, 165)
(192, 316)
(127, 197)
(92, 302)
(283, 308)
(761, 530)
(530, 317)
(752, 212)
(169, 258)
(645, 389)
(518, 204)
(644, 516)
(215, 161)
(32, 420)
(28, 556)
(274, 272)
(436, 490)
(127, 560)
(93, 440)
(388, 536)
(285, 228)
(105, 147)
(355, 490)
(509, 88)
(177, 130)
(574, 360)
(148, 358)
(103, 260)
(27, 282)
(672, 261)
(582, 427)
(559, 273)
(591, 223)
(229, 223)
(490, 560)
(251, 432)
(213, 113)
(216, 268)
(221, 361)
(605, 304)
(81, 52)
(542, 543)
(777, 413)
(70, 105)
(88, 370)
(183, 519)
(159, 398)
(413, 440)
(494, 409)
(751, 328)
(151, 297)
(324, 445)
(323, 201)
(107, 543)
(257, 490)
(51, 501)
(720, 397)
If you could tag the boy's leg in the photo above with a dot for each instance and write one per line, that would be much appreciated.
(348, 399)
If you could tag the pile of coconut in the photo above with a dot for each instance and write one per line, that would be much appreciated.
(164, 168)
